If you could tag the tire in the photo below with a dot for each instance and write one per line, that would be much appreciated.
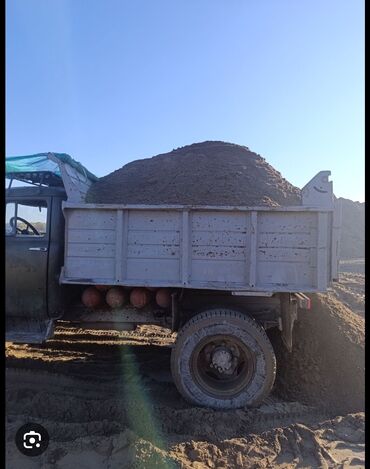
(237, 346)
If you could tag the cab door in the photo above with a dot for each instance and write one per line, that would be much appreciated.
(27, 245)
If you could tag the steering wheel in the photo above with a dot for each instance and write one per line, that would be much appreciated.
(27, 223)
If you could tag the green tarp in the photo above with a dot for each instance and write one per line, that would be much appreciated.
(41, 163)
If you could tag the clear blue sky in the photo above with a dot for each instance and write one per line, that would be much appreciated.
(110, 81)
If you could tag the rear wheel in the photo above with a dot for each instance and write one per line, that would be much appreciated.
(223, 359)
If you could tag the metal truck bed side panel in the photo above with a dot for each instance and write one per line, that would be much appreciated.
(227, 248)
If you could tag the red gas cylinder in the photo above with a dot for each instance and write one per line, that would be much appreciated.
(139, 297)
(163, 297)
(92, 298)
(116, 297)
(152, 288)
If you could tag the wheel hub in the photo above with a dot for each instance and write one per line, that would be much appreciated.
(222, 365)
(222, 359)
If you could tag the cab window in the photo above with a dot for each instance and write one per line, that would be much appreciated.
(9, 215)
(26, 218)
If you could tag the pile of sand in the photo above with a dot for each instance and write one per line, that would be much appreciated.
(327, 365)
(350, 290)
(352, 243)
(207, 173)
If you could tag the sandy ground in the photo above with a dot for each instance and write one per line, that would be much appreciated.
(350, 290)
(108, 401)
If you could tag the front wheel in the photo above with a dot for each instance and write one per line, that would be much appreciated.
(223, 359)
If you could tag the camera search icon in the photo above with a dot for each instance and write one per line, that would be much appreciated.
(32, 439)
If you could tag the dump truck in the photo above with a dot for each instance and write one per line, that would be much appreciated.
(230, 272)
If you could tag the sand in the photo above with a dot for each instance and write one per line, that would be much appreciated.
(207, 173)
(352, 242)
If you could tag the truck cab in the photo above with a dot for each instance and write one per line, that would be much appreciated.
(34, 243)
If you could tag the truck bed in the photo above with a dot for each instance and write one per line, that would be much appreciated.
(251, 249)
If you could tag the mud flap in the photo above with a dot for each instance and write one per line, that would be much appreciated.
(288, 311)
(22, 330)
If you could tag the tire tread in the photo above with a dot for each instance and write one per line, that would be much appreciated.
(226, 314)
